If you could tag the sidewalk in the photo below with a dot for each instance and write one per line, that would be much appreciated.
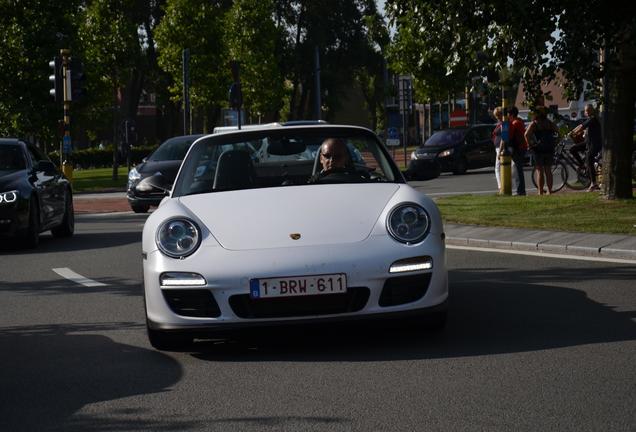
(563, 243)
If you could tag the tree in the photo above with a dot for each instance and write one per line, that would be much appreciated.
(340, 36)
(31, 32)
(199, 26)
(370, 76)
(115, 42)
(540, 38)
(254, 40)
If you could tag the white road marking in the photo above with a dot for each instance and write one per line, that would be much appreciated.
(69, 274)
(543, 254)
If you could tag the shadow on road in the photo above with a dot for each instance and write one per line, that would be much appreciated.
(54, 371)
(112, 285)
(91, 232)
(493, 312)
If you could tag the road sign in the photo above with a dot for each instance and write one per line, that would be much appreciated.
(405, 90)
(66, 144)
(458, 118)
(393, 136)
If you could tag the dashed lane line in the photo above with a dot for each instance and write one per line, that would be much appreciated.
(69, 274)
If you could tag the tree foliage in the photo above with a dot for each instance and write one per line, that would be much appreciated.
(31, 31)
(337, 29)
(256, 42)
(199, 26)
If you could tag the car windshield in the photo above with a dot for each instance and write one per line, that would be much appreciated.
(11, 159)
(281, 157)
(445, 137)
(173, 149)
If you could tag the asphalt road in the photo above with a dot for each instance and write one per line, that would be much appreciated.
(480, 181)
(531, 344)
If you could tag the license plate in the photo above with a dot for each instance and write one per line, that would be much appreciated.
(298, 286)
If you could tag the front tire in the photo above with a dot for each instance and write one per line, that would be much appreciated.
(67, 227)
(32, 233)
(139, 208)
(461, 166)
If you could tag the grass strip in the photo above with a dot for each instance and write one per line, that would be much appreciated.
(575, 212)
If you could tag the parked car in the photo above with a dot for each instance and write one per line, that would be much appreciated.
(456, 150)
(166, 159)
(34, 195)
(250, 243)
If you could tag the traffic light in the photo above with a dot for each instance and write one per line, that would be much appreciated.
(78, 78)
(57, 79)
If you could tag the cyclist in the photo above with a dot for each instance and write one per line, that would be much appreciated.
(593, 142)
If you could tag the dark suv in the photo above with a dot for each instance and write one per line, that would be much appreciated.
(456, 150)
(165, 160)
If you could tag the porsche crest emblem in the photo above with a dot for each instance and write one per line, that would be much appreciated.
(295, 236)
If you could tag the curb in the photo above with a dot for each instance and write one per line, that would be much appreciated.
(617, 249)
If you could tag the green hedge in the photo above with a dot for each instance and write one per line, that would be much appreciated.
(101, 158)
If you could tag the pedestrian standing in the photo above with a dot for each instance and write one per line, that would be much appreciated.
(519, 147)
(540, 137)
(593, 142)
(496, 140)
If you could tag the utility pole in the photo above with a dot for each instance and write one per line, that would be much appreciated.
(67, 168)
(186, 92)
(236, 96)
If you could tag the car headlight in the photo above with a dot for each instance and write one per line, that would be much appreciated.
(133, 177)
(446, 153)
(8, 197)
(413, 156)
(178, 238)
(408, 223)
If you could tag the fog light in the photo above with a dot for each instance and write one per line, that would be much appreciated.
(181, 279)
(412, 264)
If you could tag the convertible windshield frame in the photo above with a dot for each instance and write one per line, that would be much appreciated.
(188, 181)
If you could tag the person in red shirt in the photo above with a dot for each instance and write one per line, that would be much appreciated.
(519, 146)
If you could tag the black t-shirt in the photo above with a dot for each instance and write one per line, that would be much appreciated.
(593, 137)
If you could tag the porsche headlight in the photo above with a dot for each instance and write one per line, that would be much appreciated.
(8, 197)
(408, 223)
(178, 237)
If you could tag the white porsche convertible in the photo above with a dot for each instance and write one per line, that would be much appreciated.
(243, 240)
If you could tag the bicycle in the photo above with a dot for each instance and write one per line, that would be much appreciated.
(566, 170)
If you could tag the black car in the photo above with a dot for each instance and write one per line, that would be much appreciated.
(455, 150)
(34, 195)
(165, 160)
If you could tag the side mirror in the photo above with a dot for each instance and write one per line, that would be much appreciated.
(157, 181)
(144, 160)
(45, 166)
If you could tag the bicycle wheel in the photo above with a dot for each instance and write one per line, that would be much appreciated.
(559, 176)
(577, 179)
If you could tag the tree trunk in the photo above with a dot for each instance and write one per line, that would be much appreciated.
(131, 94)
(618, 122)
(302, 106)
